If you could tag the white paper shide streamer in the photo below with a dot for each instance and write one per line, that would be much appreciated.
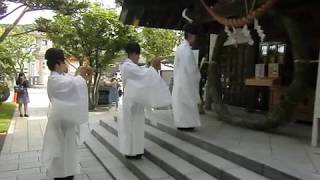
(260, 32)
(246, 33)
(231, 35)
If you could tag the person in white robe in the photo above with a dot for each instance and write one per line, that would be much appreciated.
(143, 87)
(68, 109)
(185, 93)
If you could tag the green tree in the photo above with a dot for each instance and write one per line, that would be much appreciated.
(16, 50)
(7, 65)
(158, 42)
(95, 34)
(60, 6)
(22, 50)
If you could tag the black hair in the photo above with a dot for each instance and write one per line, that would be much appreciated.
(21, 74)
(190, 29)
(133, 47)
(19, 80)
(54, 56)
(186, 35)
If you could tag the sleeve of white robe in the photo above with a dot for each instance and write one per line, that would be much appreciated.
(145, 86)
(69, 99)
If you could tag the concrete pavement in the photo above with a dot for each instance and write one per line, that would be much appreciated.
(20, 156)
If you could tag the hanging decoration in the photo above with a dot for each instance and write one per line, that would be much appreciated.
(251, 17)
(184, 15)
(240, 22)
(260, 32)
(246, 33)
(231, 37)
(245, 30)
(238, 36)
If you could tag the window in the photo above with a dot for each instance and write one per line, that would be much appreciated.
(44, 43)
(272, 52)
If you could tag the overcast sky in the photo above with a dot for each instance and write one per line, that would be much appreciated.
(30, 17)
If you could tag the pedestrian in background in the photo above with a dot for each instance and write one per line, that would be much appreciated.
(114, 93)
(21, 88)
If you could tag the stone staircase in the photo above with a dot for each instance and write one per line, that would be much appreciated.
(172, 154)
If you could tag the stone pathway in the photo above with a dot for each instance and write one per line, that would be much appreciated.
(20, 156)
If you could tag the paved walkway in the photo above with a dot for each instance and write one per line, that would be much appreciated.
(20, 156)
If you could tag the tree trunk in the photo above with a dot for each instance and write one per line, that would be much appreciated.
(5, 15)
(94, 88)
(11, 27)
(94, 91)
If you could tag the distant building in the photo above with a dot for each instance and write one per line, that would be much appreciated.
(37, 70)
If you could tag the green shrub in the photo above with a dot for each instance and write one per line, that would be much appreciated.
(4, 91)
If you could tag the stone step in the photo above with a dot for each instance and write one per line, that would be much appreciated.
(143, 168)
(208, 162)
(245, 162)
(172, 164)
(110, 163)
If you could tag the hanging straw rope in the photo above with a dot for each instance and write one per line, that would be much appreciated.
(239, 22)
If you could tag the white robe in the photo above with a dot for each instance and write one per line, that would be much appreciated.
(143, 87)
(68, 109)
(185, 93)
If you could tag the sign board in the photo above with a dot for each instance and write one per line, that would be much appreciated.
(273, 70)
(260, 71)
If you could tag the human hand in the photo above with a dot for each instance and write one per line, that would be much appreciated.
(66, 69)
(85, 71)
(156, 63)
